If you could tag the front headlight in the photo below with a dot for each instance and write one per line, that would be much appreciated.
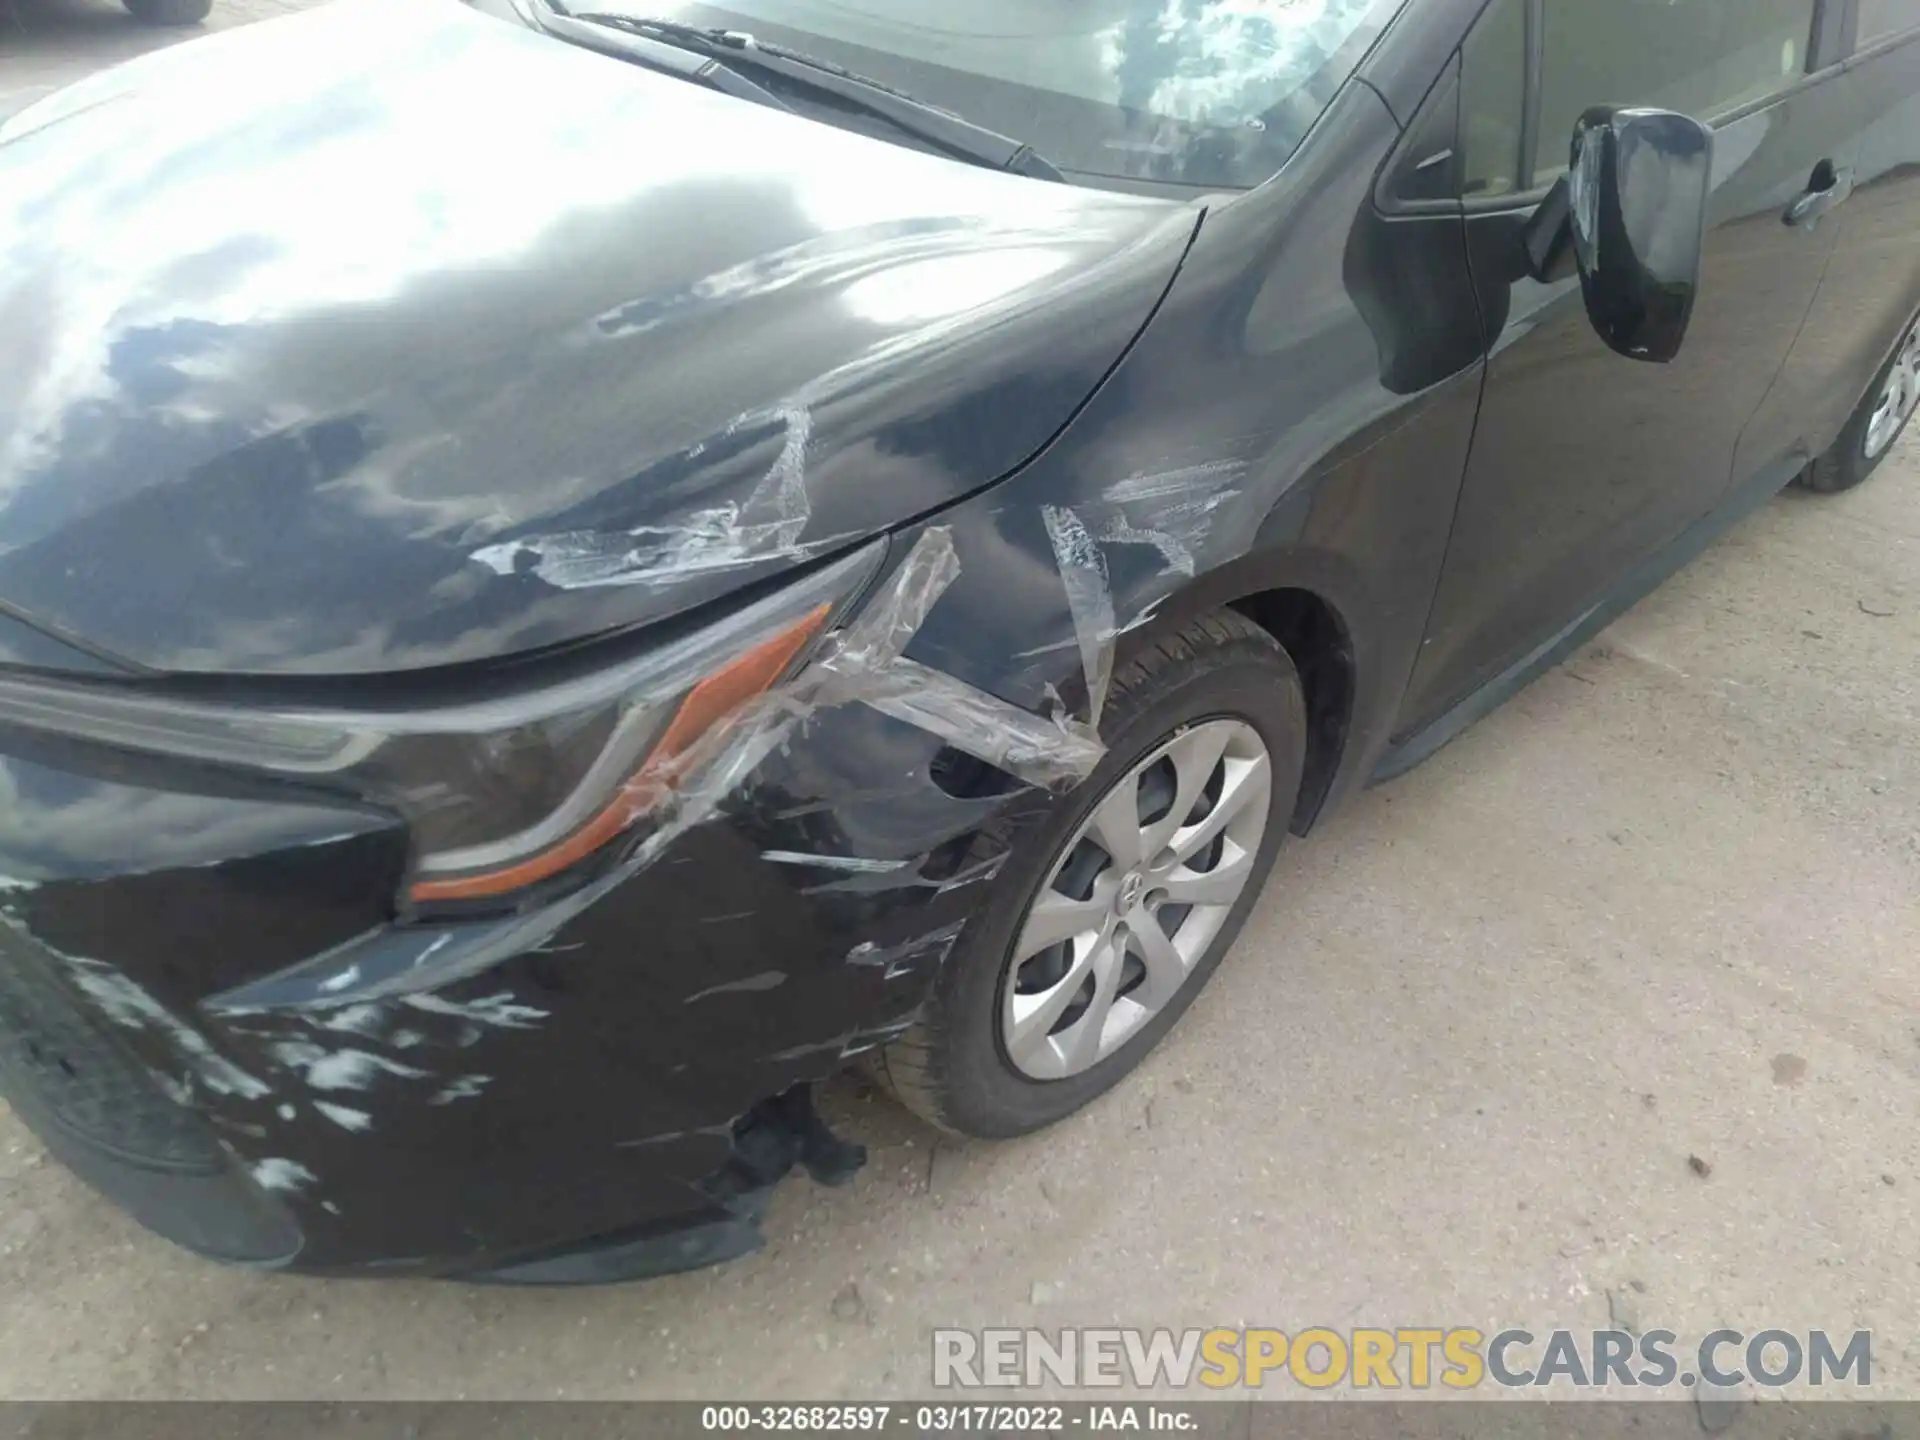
(504, 793)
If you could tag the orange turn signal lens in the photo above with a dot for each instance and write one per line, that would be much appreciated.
(704, 707)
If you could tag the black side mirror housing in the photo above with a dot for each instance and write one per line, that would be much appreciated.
(1636, 206)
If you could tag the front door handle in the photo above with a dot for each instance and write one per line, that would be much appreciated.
(1827, 188)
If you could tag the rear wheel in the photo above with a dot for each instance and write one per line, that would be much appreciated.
(1876, 425)
(170, 12)
(1112, 913)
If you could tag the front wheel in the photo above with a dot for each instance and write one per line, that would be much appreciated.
(170, 12)
(1110, 915)
(1875, 426)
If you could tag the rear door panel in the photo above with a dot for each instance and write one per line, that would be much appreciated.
(1872, 287)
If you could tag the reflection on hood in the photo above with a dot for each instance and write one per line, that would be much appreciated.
(325, 357)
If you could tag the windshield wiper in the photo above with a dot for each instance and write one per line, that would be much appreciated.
(752, 59)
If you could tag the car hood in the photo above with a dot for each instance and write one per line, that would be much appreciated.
(390, 336)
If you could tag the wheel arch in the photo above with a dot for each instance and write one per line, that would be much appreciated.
(1316, 639)
(1313, 604)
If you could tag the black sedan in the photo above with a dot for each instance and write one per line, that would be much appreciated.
(568, 571)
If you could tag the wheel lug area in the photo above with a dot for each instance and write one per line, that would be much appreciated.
(1127, 894)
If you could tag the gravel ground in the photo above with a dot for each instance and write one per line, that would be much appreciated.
(1664, 906)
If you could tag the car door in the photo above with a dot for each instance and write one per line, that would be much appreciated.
(1585, 462)
(1867, 301)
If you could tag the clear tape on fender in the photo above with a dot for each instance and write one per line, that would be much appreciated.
(1039, 751)
(1083, 570)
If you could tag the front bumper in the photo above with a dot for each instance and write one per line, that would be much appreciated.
(212, 1016)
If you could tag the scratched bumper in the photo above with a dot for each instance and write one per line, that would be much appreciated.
(576, 1093)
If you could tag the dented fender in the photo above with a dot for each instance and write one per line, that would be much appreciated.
(1266, 436)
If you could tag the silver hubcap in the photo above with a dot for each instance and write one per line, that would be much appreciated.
(1135, 898)
(1901, 398)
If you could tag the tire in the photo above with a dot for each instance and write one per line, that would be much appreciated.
(1220, 676)
(169, 12)
(1863, 445)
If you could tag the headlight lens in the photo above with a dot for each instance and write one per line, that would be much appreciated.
(505, 793)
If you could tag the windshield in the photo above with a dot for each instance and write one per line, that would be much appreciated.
(1213, 94)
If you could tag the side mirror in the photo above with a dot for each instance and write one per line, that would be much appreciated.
(1637, 208)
